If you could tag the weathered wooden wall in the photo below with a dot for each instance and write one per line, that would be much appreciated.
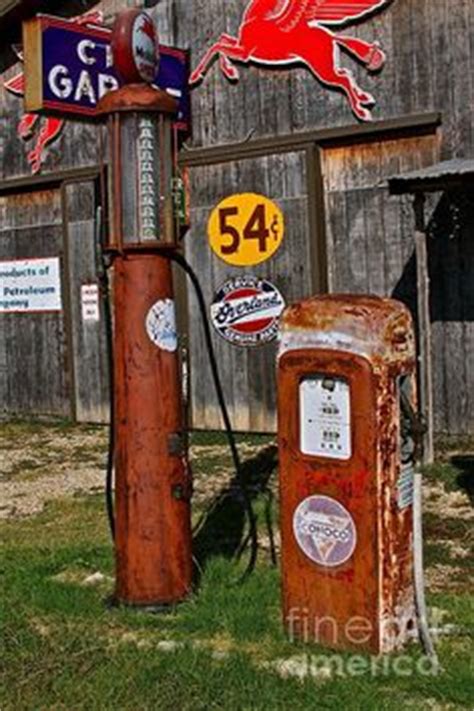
(88, 343)
(430, 51)
(54, 363)
(451, 264)
(430, 64)
(34, 371)
(248, 374)
(429, 47)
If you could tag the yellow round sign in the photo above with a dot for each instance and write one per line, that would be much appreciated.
(246, 229)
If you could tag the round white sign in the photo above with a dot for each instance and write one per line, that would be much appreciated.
(145, 47)
(161, 325)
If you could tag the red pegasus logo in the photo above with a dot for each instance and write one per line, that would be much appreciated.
(50, 127)
(284, 32)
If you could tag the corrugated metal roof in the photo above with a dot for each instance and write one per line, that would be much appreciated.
(458, 172)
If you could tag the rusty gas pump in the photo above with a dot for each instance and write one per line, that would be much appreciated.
(346, 374)
(153, 484)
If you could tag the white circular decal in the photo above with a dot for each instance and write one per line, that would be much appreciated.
(246, 310)
(145, 47)
(325, 531)
(161, 325)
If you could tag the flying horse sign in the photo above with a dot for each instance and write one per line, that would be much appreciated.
(286, 32)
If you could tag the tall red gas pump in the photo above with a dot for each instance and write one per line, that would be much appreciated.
(346, 381)
(153, 483)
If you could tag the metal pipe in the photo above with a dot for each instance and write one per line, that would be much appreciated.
(418, 572)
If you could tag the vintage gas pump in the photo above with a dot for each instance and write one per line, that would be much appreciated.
(346, 366)
(153, 486)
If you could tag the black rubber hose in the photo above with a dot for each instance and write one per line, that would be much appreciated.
(182, 262)
(109, 494)
(102, 273)
(253, 534)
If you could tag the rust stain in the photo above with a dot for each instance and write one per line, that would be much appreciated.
(137, 97)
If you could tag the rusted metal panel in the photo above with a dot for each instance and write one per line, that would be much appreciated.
(450, 174)
(366, 602)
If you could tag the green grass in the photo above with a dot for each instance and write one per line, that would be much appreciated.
(66, 648)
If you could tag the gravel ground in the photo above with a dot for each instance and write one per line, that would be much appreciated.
(40, 463)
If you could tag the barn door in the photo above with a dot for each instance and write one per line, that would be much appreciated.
(87, 334)
(34, 364)
(248, 373)
(370, 233)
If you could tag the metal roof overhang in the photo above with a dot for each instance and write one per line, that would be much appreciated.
(457, 174)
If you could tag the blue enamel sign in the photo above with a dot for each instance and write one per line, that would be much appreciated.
(69, 67)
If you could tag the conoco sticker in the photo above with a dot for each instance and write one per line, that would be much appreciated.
(325, 531)
(245, 311)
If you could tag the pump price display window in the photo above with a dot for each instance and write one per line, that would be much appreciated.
(325, 417)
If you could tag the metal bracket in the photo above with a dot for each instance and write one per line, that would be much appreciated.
(176, 444)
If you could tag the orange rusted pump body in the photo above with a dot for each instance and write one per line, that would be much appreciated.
(153, 483)
(153, 541)
(346, 472)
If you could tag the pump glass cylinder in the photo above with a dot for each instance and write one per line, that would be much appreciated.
(142, 172)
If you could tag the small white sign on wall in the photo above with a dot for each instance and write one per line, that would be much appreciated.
(90, 302)
(30, 285)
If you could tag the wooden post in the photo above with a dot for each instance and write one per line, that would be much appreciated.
(424, 326)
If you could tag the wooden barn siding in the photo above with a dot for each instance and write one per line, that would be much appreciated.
(88, 341)
(369, 232)
(430, 62)
(361, 254)
(430, 59)
(248, 374)
(430, 50)
(33, 350)
(451, 264)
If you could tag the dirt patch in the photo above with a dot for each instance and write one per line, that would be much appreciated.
(41, 463)
(448, 504)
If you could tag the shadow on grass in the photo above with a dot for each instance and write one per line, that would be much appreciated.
(464, 463)
(221, 531)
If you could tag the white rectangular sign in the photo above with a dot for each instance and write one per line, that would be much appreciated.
(325, 417)
(90, 302)
(28, 285)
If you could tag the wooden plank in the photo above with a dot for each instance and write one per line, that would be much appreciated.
(424, 331)
(33, 373)
(248, 374)
(89, 347)
(33, 59)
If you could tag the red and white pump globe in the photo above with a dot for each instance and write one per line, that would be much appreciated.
(135, 47)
